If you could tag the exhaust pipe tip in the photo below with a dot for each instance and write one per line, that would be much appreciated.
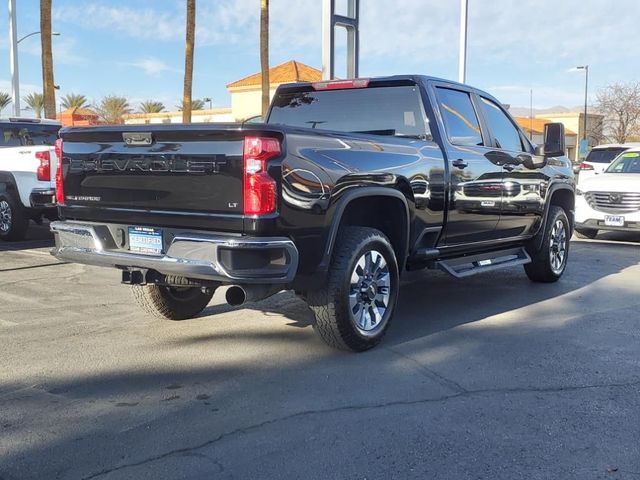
(235, 295)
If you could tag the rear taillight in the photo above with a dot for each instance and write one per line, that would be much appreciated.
(341, 84)
(259, 188)
(44, 169)
(586, 166)
(59, 178)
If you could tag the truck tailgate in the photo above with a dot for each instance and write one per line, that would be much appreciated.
(174, 173)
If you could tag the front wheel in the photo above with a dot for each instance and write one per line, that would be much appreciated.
(550, 260)
(173, 303)
(353, 311)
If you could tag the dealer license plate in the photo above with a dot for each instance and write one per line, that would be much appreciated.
(145, 240)
(614, 220)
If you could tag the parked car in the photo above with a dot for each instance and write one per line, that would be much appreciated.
(611, 200)
(600, 157)
(345, 186)
(28, 163)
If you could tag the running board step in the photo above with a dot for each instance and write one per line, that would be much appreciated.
(461, 267)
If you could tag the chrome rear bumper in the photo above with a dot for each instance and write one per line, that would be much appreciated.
(202, 255)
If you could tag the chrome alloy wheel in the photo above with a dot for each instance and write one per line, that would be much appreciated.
(558, 247)
(369, 292)
(5, 216)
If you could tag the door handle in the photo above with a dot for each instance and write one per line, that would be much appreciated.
(459, 163)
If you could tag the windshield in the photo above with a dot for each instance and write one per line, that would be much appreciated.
(395, 111)
(604, 155)
(626, 163)
(17, 135)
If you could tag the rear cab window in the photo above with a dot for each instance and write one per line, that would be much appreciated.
(460, 118)
(388, 111)
(25, 134)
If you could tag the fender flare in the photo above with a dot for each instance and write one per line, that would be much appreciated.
(341, 206)
(555, 187)
(7, 183)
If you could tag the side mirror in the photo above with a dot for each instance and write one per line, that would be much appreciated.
(554, 143)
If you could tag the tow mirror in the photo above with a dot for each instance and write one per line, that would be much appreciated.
(554, 143)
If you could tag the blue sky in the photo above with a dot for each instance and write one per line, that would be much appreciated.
(135, 47)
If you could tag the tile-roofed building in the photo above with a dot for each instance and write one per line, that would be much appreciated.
(287, 72)
(246, 93)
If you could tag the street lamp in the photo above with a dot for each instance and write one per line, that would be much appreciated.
(586, 86)
(55, 34)
(208, 99)
(13, 56)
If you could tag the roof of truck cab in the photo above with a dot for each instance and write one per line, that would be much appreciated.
(399, 78)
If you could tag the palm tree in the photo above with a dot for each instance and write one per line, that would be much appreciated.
(112, 108)
(74, 100)
(196, 104)
(151, 106)
(47, 60)
(188, 61)
(264, 54)
(5, 99)
(35, 101)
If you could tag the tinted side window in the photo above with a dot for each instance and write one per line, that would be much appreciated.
(503, 130)
(460, 117)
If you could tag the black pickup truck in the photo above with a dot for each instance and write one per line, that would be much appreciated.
(346, 185)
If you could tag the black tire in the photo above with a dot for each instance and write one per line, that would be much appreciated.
(544, 266)
(585, 233)
(172, 303)
(336, 321)
(14, 221)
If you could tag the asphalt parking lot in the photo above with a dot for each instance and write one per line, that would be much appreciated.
(491, 377)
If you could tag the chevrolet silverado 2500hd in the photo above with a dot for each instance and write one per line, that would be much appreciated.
(346, 185)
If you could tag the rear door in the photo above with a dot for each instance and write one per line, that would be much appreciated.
(476, 181)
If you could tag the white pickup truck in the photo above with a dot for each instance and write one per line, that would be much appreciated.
(28, 164)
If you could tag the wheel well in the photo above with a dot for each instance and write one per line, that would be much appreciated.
(387, 214)
(566, 200)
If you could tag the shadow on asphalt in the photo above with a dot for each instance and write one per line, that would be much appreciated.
(430, 302)
(38, 236)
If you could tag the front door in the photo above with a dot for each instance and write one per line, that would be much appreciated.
(476, 181)
(523, 185)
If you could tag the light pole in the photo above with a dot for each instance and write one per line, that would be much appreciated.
(208, 99)
(462, 56)
(13, 56)
(586, 86)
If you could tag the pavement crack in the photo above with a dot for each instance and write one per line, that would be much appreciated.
(431, 374)
(346, 408)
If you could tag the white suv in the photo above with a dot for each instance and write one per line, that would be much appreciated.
(600, 157)
(28, 164)
(611, 200)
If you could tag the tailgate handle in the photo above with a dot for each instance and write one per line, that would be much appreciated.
(137, 138)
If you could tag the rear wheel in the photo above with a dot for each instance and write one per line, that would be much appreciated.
(550, 260)
(13, 218)
(173, 303)
(353, 311)
(586, 233)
